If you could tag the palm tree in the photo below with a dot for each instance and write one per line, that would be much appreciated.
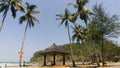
(80, 35)
(13, 5)
(82, 11)
(66, 18)
(31, 20)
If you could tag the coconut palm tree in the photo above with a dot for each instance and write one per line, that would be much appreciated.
(65, 19)
(82, 12)
(30, 21)
(80, 35)
(13, 5)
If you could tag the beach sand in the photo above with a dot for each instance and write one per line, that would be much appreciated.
(38, 67)
(41, 67)
(111, 65)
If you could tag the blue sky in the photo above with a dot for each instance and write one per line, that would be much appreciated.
(43, 34)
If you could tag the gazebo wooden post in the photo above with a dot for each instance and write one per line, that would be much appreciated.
(44, 59)
(63, 59)
(54, 63)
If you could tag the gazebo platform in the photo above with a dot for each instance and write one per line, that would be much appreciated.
(54, 50)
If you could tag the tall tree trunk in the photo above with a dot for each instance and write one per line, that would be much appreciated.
(73, 62)
(82, 58)
(102, 50)
(21, 55)
(96, 54)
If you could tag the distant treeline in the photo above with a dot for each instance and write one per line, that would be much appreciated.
(87, 51)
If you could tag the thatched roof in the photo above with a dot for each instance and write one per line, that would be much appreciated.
(54, 49)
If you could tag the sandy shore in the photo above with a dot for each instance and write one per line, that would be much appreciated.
(111, 65)
(41, 67)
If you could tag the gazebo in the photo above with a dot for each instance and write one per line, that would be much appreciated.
(54, 50)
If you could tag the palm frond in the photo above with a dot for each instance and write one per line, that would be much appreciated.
(73, 37)
(73, 17)
(29, 22)
(20, 8)
(6, 10)
(13, 10)
(2, 7)
(62, 21)
(22, 18)
(32, 22)
(66, 12)
(32, 7)
(35, 20)
(35, 12)
(74, 5)
(27, 5)
(66, 23)
(60, 16)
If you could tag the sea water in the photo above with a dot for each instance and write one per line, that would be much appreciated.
(9, 64)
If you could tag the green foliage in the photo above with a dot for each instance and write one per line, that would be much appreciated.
(35, 57)
(13, 6)
(104, 24)
(28, 16)
(87, 50)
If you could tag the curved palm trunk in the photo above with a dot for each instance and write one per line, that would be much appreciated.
(73, 62)
(20, 61)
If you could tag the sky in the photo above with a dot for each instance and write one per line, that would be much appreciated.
(44, 34)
